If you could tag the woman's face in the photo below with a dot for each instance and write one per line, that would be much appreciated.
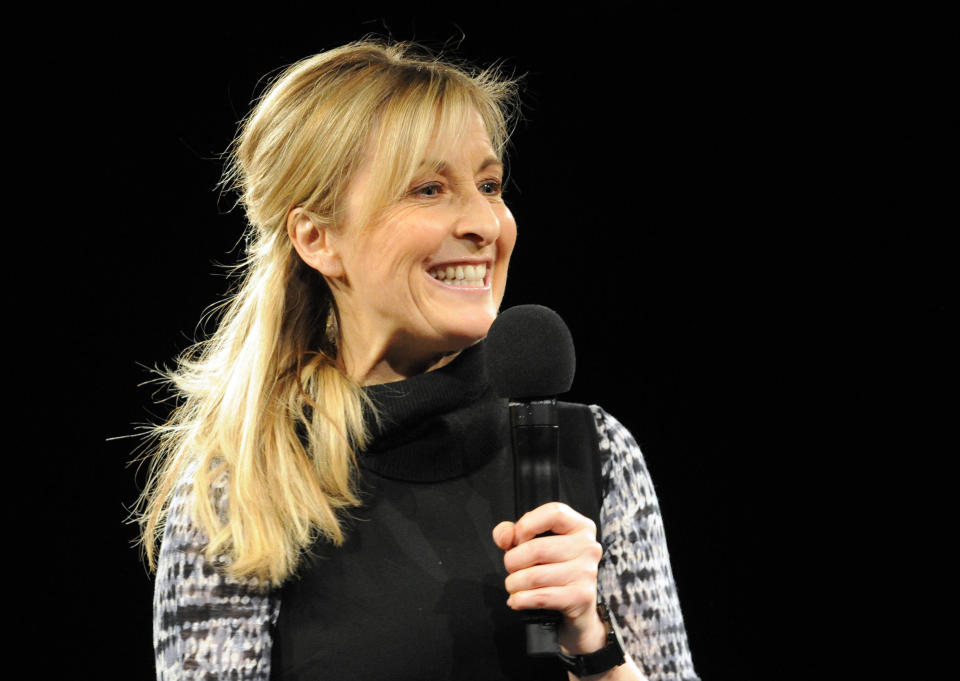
(429, 276)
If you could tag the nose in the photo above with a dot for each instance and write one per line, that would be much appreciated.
(477, 221)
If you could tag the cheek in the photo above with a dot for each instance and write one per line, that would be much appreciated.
(505, 244)
(508, 238)
(398, 254)
(414, 243)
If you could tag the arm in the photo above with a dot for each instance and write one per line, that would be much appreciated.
(635, 577)
(207, 625)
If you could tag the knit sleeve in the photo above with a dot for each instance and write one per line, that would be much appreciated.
(635, 576)
(207, 625)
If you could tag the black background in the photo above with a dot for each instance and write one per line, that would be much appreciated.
(733, 211)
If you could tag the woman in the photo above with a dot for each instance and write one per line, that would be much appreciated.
(332, 492)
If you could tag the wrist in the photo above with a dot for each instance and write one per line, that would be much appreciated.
(584, 638)
(590, 660)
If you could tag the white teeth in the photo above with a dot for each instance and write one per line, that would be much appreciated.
(461, 275)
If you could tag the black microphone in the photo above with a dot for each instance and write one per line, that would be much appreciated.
(530, 360)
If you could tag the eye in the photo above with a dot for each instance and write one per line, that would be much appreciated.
(492, 187)
(430, 189)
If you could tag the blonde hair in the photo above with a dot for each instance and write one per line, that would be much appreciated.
(262, 403)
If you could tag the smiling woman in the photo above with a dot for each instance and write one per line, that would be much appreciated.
(426, 277)
(333, 495)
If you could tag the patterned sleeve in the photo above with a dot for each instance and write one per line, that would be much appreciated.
(207, 626)
(635, 577)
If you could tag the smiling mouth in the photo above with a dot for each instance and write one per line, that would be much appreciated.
(463, 276)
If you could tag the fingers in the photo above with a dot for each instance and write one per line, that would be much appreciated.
(574, 600)
(581, 569)
(573, 535)
(568, 587)
(552, 549)
(557, 571)
(552, 517)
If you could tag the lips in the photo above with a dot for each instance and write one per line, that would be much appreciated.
(461, 275)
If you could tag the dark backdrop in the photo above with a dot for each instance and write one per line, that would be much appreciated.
(704, 195)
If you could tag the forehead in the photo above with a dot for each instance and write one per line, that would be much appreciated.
(470, 144)
(453, 140)
(393, 158)
(449, 135)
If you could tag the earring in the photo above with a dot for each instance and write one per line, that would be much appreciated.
(332, 331)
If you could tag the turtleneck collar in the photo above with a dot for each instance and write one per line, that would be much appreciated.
(438, 425)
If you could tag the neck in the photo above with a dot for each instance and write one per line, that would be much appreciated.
(371, 371)
(375, 361)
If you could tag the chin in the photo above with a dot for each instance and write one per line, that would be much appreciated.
(465, 335)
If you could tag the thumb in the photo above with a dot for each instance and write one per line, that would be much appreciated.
(503, 535)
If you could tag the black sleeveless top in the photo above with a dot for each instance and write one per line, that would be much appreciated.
(416, 591)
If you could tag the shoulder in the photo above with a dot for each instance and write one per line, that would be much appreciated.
(621, 461)
(614, 436)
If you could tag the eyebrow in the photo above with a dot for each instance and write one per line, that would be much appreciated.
(441, 166)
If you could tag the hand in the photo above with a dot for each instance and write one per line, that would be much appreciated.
(557, 572)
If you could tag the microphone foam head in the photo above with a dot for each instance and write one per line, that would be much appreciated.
(529, 353)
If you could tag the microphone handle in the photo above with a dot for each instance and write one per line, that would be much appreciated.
(536, 447)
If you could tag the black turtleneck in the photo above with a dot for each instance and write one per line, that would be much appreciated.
(435, 426)
(416, 591)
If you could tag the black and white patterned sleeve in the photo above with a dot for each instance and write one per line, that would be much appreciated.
(635, 577)
(207, 625)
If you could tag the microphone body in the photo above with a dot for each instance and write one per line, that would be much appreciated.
(530, 359)
(535, 434)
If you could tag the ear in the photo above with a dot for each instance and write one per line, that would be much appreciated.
(314, 243)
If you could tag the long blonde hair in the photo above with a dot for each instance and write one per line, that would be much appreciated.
(262, 404)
